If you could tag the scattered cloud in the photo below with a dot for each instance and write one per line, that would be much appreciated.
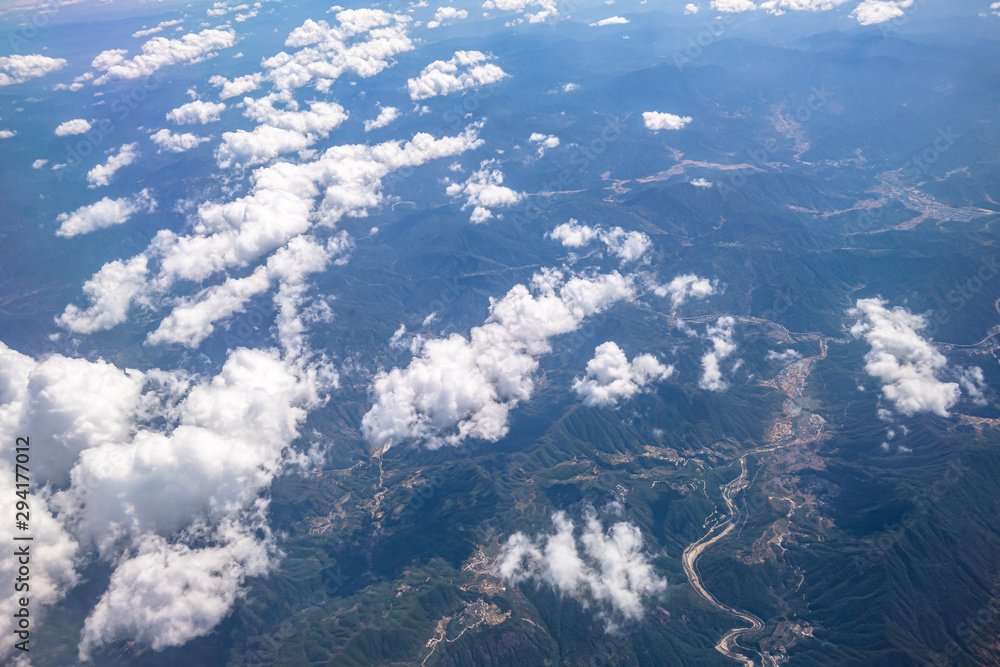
(236, 87)
(733, 6)
(612, 20)
(685, 287)
(197, 112)
(784, 357)
(484, 190)
(103, 173)
(627, 246)
(607, 568)
(721, 336)
(465, 387)
(466, 69)
(570, 87)
(446, 14)
(547, 8)
(385, 116)
(71, 127)
(20, 68)
(544, 141)
(691, 8)
(146, 32)
(160, 52)
(907, 365)
(701, 183)
(612, 377)
(7, 134)
(105, 213)
(176, 143)
(871, 12)
(657, 121)
(39, 163)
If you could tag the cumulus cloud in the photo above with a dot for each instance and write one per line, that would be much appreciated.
(466, 69)
(110, 292)
(656, 121)
(146, 32)
(20, 68)
(7, 134)
(779, 7)
(103, 173)
(105, 213)
(733, 6)
(685, 287)
(627, 246)
(783, 357)
(236, 87)
(544, 141)
(446, 14)
(547, 8)
(176, 509)
(612, 377)
(691, 8)
(280, 206)
(176, 143)
(193, 319)
(484, 190)
(70, 127)
(465, 387)
(281, 130)
(39, 163)
(363, 43)
(907, 365)
(611, 20)
(871, 12)
(196, 112)
(160, 52)
(607, 568)
(385, 116)
(701, 183)
(721, 336)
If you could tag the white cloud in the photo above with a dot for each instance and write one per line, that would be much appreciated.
(871, 12)
(612, 377)
(733, 6)
(465, 387)
(995, 8)
(783, 357)
(280, 206)
(444, 14)
(656, 121)
(7, 134)
(570, 87)
(466, 69)
(547, 8)
(105, 213)
(544, 141)
(609, 568)
(75, 126)
(779, 7)
(20, 68)
(691, 8)
(385, 116)
(612, 20)
(721, 335)
(39, 163)
(176, 510)
(110, 292)
(176, 143)
(484, 190)
(684, 287)
(102, 174)
(627, 246)
(701, 183)
(196, 112)
(281, 131)
(364, 43)
(146, 32)
(160, 52)
(907, 365)
(236, 87)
